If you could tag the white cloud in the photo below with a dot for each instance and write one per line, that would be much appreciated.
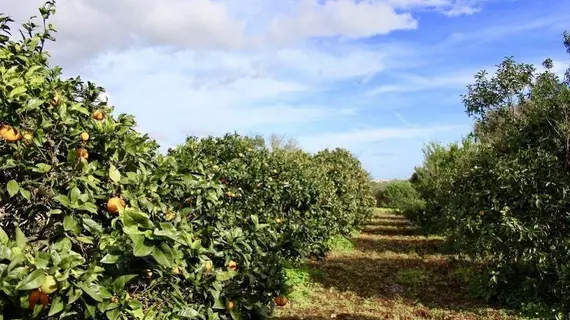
(414, 82)
(88, 28)
(339, 18)
(353, 139)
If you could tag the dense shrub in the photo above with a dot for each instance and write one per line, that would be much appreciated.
(96, 223)
(503, 198)
(401, 195)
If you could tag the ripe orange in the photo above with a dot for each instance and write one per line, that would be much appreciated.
(34, 298)
(98, 115)
(10, 134)
(44, 299)
(114, 203)
(281, 301)
(82, 154)
(56, 99)
(278, 220)
(232, 265)
(84, 136)
(481, 213)
(230, 305)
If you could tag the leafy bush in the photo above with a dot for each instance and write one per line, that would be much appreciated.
(503, 197)
(96, 223)
(401, 195)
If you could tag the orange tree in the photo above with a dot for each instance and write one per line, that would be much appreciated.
(97, 224)
(84, 230)
(259, 201)
(352, 191)
(503, 197)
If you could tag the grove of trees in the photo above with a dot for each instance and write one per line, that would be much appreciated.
(96, 223)
(502, 195)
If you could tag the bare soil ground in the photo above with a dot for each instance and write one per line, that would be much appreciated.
(388, 271)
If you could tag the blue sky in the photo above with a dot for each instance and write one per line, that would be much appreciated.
(378, 77)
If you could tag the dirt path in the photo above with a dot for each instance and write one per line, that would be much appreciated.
(385, 272)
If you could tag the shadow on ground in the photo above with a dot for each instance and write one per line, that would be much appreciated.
(342, 316)
(389, 222)
(419, 245)
(391, 264)
(384, 230)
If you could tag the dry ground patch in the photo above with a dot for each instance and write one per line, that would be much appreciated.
(388, 271)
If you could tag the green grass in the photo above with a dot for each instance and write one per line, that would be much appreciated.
(387, 271)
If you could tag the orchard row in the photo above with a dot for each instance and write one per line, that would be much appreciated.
(96, 223)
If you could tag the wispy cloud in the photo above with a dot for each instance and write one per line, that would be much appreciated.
(365, 136)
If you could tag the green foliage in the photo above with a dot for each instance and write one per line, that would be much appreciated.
(400, 195)
(128, 233)
(502, 197)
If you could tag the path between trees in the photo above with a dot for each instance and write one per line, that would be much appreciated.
(388, 271)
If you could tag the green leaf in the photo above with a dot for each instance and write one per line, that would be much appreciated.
(88, 206)
(235, 314)
(42, 168)
(161, 257)
(74, 194)
(32, 281)
(113, 314)
(97, 292)
(74, 294)
(140, 249)
(34, 103)
(64, 200)
(3, 237)
(92, 226)
(13, 188)
(110, 259)
(120, 282)
(69, 224)
(114, 174)
(18, 90)
(20, 239)
(131, 217)
(225, 275)
(87, 240)
(56, 306)
(25, 193)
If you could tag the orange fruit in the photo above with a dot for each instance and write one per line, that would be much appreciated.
(114, 203)
(230, 305)
(44, 299)
(49, 286)
(10, 134)
(34, 298)
(281, 301)
(232, 265)
(56, 99)
(82, 154)
(278, 220)
(98, 115)
(84, 136)
(481, 213)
